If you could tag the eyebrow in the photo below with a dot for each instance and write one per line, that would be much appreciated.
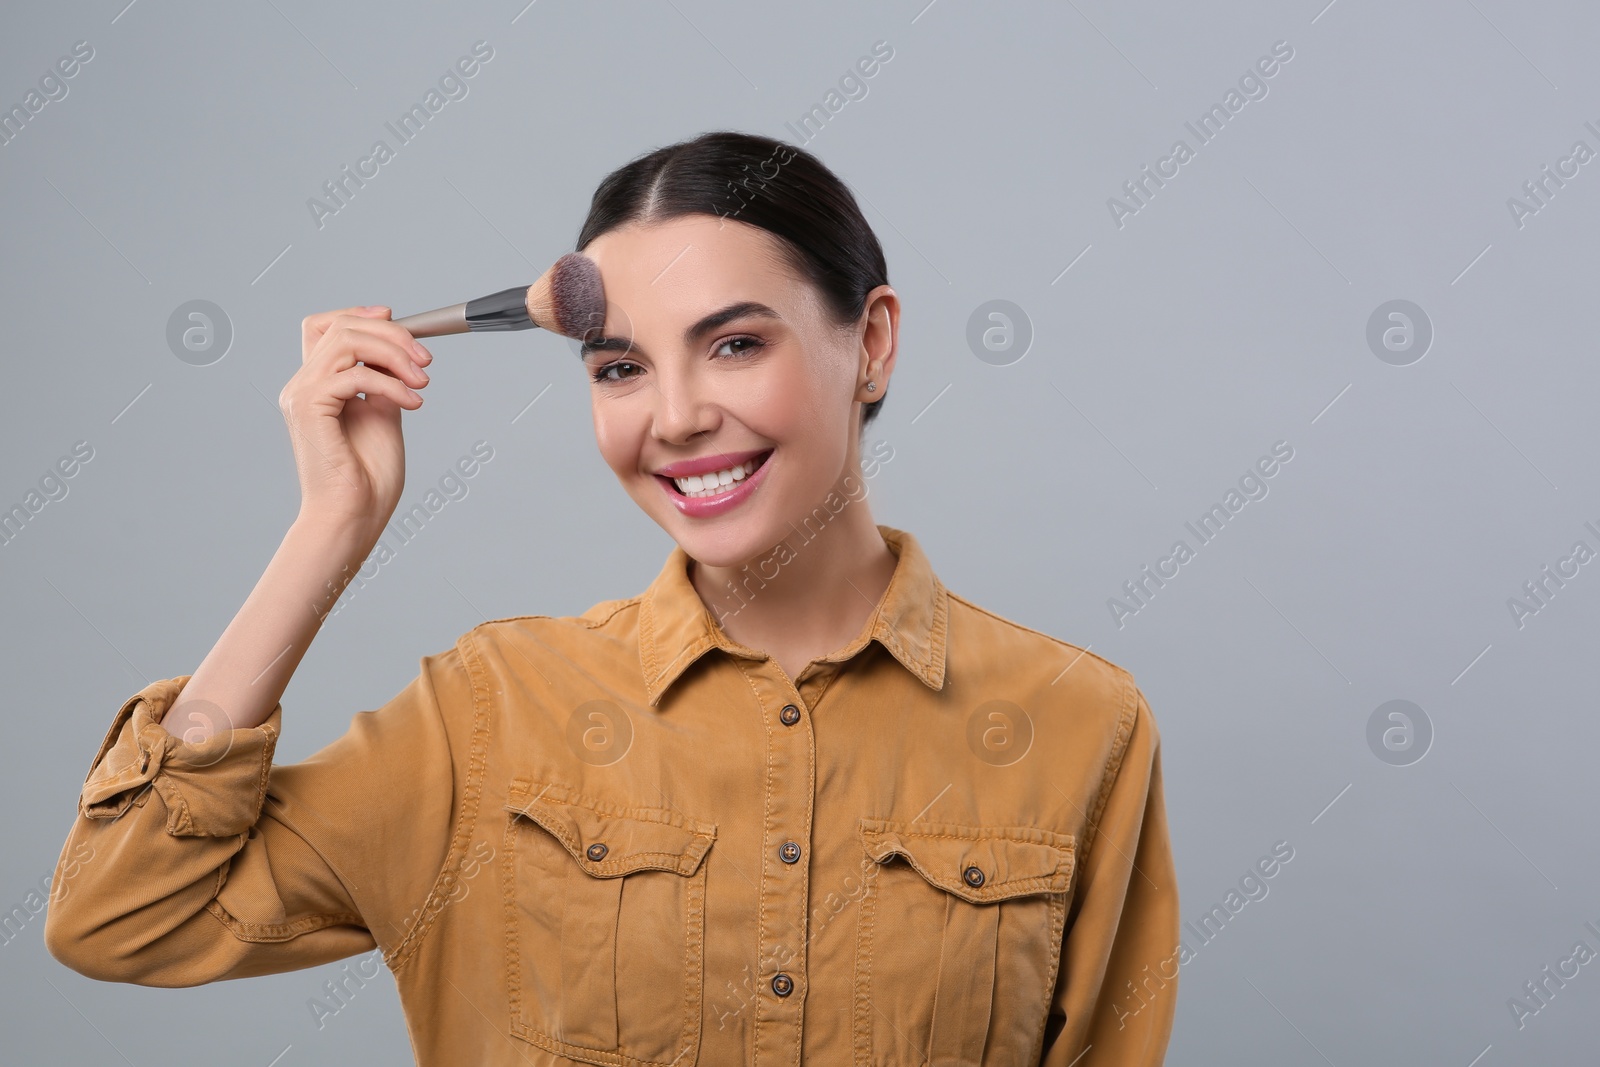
(713, 321)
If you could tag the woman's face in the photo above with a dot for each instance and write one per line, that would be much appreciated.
(773, 386)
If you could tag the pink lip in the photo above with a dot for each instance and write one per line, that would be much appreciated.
(706, 507)
(706, 464)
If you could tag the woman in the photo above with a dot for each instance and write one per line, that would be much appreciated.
(795, 799)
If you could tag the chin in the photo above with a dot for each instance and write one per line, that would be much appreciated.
(729, 542)
(733, 545)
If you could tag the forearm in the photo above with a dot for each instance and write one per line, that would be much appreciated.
(244, 675)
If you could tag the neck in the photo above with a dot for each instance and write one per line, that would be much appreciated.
(810, 594)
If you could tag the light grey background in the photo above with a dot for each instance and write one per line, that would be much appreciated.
(1169, 354)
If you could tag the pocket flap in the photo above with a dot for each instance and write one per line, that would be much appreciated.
(633, 838)
(1010, 861)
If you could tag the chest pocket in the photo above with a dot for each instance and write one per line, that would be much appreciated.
(605, 931)
(960, 941)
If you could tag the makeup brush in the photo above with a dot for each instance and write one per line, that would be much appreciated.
(567, 299)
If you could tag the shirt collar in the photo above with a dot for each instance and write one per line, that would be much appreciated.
(911, 620)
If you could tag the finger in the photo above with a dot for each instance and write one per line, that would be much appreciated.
(350, 341)
(400, 335)
(382, 406)
(312, 327)
(383, 328)
(362, 379)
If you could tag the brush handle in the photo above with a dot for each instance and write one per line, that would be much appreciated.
(505, 310)
(452, 319)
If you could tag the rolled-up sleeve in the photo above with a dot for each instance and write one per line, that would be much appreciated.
(192, 862)
(1118, 984)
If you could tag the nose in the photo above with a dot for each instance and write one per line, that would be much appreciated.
(681, 411)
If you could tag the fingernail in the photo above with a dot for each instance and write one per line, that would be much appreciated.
(422, 353)
(423, 373)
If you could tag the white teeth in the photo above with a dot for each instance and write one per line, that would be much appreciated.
(715, 483)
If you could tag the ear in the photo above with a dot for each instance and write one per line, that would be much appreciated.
(880, 340)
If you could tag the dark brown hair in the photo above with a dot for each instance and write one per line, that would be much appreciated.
(782, 189)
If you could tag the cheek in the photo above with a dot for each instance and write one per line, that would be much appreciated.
(837, 382)
(813, 395)
(612, 436)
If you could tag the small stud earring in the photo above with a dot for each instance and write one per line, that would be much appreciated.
(872, 387)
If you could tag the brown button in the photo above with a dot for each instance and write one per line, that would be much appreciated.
(597, 851)
(790, 852)
(789, 715)
(973, 877)
(782, 984)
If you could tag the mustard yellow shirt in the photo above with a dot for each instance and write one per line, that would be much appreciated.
(623, 838)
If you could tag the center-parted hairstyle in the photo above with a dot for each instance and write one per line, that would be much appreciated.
(782, 189)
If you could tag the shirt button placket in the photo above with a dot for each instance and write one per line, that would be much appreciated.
(785, 889)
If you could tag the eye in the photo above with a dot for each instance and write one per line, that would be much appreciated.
(752, 345)
(748, 347)
(603, 374)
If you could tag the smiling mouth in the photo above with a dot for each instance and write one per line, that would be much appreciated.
(715, 483)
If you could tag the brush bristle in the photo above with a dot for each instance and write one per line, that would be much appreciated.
(574, 299)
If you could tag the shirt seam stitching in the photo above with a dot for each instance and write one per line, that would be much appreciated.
(671, 815)
(246, 930)
(1113, 769)
(1029, 629)
(592, 624)
(466, 818)
(766, 803)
